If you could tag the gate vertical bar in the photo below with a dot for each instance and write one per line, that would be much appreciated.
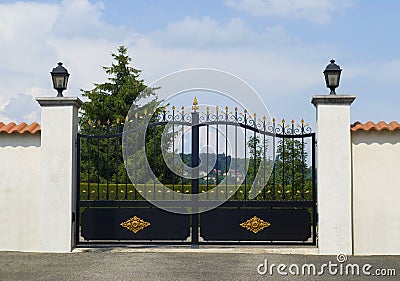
(195, 174)
(78, 186)
(314, 190)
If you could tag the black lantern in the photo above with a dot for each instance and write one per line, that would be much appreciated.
(59, 76)
(332, 76)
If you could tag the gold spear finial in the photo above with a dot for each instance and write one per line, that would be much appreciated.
(173, 107)
(226, 108)
(195, 105)
(236, 109)
(164, 108)
(292, 121)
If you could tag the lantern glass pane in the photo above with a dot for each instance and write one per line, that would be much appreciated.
(58, 82)
(333, 80)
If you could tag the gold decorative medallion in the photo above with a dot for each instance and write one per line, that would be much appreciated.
(135, 224)
(255, 224)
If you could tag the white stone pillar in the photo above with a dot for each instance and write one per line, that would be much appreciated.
(334, 184)
(59, 125)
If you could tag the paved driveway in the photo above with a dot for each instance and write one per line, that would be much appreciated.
(116, 264)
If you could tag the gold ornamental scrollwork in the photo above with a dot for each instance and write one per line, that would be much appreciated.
(135, 224)
(255, 224)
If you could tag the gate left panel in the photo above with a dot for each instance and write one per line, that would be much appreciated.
(109, 208)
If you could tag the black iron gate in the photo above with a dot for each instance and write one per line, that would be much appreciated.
(283, 211)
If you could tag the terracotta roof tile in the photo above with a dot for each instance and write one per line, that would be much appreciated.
(19, 128)
(392, 126)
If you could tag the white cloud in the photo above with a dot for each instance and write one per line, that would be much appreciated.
(317, 11)
(74, 32)
(82, 19)
(3, 104)
(35, 36)
(266, 59)
(24, 27)
(278, 65)
(22, 108)
(207, 33)
(282, 78)
(196, 32)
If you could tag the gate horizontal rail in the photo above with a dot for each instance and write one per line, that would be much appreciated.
(177, 204)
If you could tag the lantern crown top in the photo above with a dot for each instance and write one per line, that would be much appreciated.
(332, 66)
(60, 69)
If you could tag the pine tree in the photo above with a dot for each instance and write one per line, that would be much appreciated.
(105, 112)
(112, 100)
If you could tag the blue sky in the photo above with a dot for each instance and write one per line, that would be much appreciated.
(280, 47)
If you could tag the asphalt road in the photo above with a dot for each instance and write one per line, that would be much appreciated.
(116, 265)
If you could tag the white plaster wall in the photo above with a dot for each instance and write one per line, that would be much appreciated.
(20, 191)
(376, 192)
(38, 182)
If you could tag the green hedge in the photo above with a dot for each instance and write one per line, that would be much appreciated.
(96, 191)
